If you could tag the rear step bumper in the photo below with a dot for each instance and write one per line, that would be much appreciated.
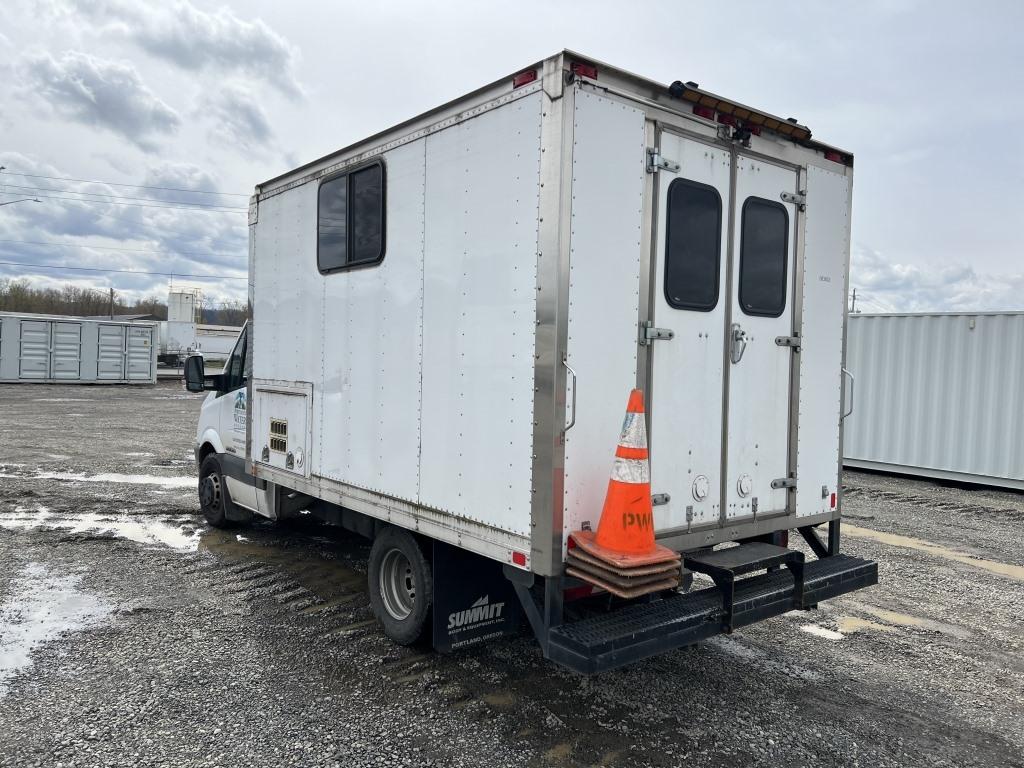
(640, 630)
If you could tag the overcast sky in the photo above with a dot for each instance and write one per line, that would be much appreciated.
(218, 97)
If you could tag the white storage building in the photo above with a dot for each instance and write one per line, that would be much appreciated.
(938, 395)
(67, 350)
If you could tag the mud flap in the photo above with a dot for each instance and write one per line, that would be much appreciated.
(473, 601)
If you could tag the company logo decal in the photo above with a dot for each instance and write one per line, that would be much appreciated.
(240, 410)
(480, 614)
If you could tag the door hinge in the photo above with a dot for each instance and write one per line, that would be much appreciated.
(655, 162)
(797, 198)
(793, 342)
(649, 333)
(784, 482)
(659, 499)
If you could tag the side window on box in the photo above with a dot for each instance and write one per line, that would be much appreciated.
(350, 219)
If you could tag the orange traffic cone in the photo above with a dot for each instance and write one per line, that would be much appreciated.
(623, 556)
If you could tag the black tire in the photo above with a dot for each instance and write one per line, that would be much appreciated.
(214, 499)
(401, 586)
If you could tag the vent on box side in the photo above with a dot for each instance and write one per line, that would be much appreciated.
(278, 435)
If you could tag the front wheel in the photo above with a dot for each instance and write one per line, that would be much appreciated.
(214, 499)
(401, 586)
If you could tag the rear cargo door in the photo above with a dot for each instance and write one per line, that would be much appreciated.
(690, 299)
(759, 359)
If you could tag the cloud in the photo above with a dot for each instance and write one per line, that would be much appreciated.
(195, 40)
(886, 286)
(99, 93)
(238, 120)
(108, 236)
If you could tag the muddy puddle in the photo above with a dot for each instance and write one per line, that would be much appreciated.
(325, 565)
(174, 532)
(41, 606)
(109, 477)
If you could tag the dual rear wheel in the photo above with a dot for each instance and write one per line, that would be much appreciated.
(401, 586)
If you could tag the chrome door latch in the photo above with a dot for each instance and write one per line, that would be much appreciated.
(655, 162)
(793, 342)
(799, 199)
(648, 333)
(737, 343)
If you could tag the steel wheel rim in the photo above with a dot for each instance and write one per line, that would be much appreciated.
(397, 585)
(210, 492)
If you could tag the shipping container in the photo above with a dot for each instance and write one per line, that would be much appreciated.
(449, 317)
(57, 349)
(938, 395)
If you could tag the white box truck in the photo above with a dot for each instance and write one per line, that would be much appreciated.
(448, 318)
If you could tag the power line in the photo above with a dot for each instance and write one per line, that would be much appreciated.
(121, 271)
(116, 184)
(117, 197)
(206, 209)
(113, 248)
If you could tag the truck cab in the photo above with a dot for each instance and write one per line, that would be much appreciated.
(226, 492)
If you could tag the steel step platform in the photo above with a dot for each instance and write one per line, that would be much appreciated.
(638, 630)
(724, 565)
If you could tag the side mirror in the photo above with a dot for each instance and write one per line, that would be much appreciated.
(195, 373)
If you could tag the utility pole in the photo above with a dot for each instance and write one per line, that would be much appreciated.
(112, 303)
(853, 306)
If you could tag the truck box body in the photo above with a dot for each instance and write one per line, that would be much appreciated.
(468, 378)
(939, 395)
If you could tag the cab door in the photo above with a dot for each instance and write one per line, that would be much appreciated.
(690, 299)
(758, 383)
(234, 416)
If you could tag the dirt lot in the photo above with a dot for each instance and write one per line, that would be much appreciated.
(133, 634)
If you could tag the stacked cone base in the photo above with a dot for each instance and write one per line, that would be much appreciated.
(627, 576)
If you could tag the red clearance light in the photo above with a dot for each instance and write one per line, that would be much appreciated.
(524, 78)
(832, 501)
(754, 129)
(726, 119)
(583, 70)
(705, 112)
(835, 157)
(519, 558)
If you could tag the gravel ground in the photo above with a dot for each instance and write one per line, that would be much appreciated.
(133, 634)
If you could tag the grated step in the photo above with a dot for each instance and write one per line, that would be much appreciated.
(638, 630)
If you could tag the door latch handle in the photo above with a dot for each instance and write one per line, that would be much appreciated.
(572, 373)
(737, 343)
(852, 382)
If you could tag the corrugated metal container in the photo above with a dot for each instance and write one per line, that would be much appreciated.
(939, 395)
(68, 350)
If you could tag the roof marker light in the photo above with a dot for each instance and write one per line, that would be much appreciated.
(519, 558)
(834, 156)
(580, 69)
(705, 112)
(524, 78)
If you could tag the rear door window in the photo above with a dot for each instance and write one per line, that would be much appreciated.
(693, 246)
(764, 246)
